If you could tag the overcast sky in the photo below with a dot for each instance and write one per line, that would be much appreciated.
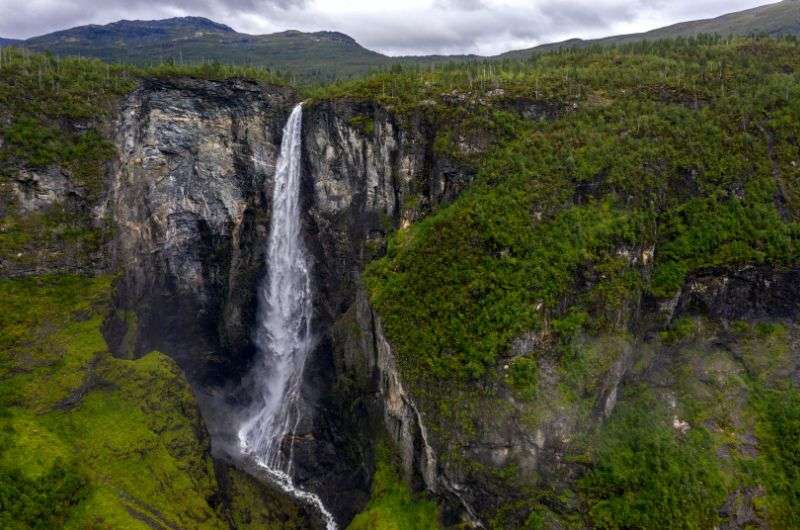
(397, 27)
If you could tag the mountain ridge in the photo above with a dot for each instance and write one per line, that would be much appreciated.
(774, 20)
(328, 55)
(318, 55)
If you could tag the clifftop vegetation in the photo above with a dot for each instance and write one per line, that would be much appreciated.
(657, 160)
(326, 55)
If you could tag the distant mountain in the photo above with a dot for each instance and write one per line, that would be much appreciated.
(8, 42)
(193, 39)
(774, 20)
(328, 55)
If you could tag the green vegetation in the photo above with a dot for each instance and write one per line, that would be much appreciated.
(778, 431)
(393, 506)
(54, 235)
(44, 502)
(252, 506)
(678, 331)
(648, 475)
(664, 159)
(90, 441)
(523, 377)
(41, 102)
(740, 392)
(365, 124)
(111, 442)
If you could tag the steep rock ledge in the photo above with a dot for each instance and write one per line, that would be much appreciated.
(188, 198)
(366, 361)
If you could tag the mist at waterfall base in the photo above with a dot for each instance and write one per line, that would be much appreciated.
(283, 336)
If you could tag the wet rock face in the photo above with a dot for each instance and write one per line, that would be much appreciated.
(747, 293)
(189, 200)
(354, 183)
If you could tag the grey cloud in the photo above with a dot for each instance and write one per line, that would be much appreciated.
(463, 5)
(468, 29)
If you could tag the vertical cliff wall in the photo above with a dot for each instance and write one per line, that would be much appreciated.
(188, 200)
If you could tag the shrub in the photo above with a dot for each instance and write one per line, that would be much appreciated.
(647, 475)
(778, 430)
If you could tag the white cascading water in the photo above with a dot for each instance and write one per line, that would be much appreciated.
(284, 337)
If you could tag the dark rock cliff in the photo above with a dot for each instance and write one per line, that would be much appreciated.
(188, 200)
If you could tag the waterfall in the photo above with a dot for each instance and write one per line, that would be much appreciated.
(283, 336)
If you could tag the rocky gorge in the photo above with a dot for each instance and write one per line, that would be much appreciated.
(189, 197)
(185, 209)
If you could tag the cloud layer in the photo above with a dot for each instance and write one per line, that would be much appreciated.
(405, 27)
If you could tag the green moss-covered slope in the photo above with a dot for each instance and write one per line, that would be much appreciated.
(90, 441)
(392, 505)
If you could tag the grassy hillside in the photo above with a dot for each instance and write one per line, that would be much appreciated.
(89, 441)
(775, 20)
(628, 170)
(107, 439)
